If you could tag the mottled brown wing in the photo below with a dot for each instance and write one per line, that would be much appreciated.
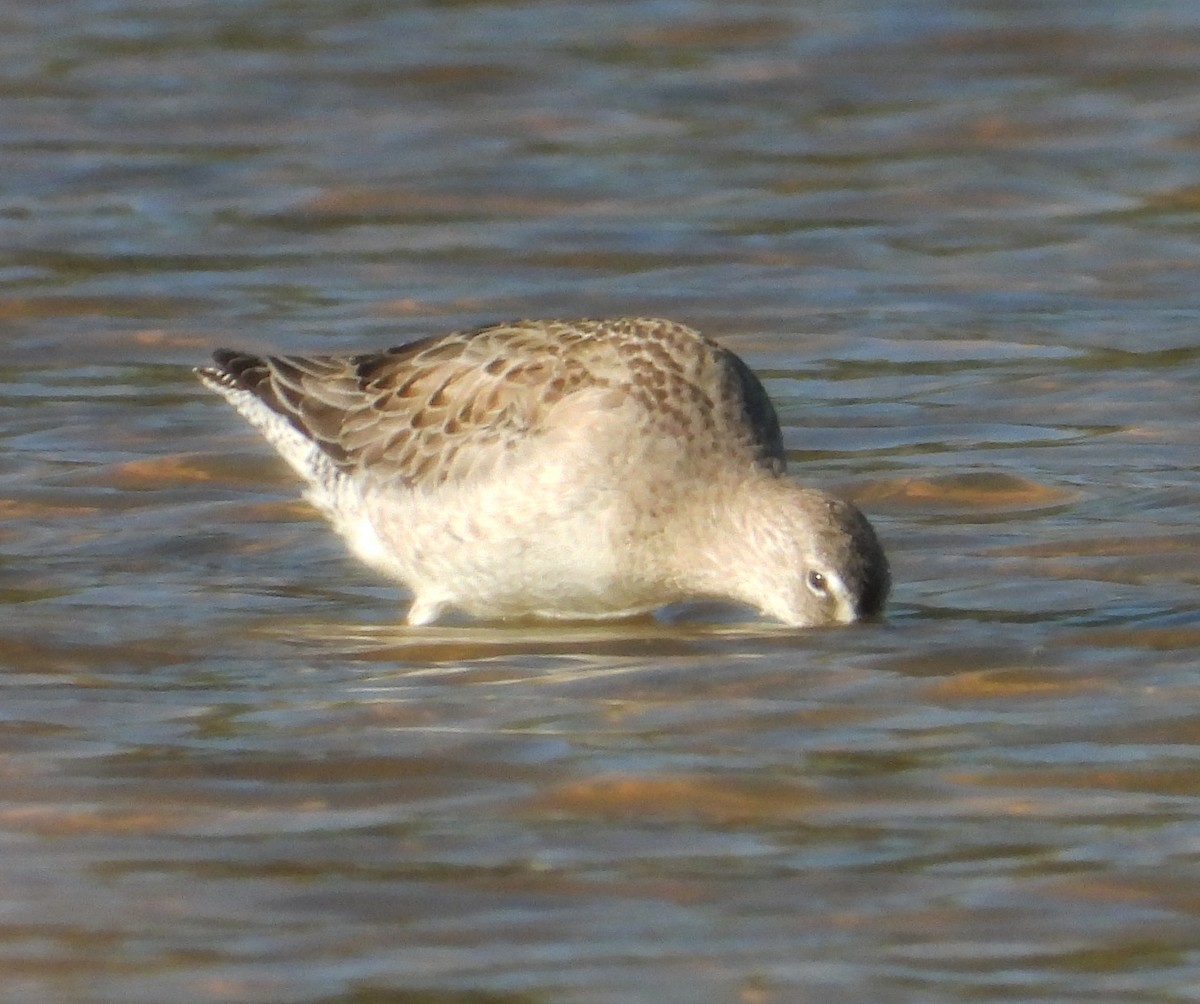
(446, 408)
(749, 407)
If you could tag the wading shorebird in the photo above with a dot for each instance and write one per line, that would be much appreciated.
(581, 469)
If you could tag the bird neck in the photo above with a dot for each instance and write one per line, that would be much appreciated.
(740, 545)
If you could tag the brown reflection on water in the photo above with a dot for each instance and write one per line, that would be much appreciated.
(681, 799)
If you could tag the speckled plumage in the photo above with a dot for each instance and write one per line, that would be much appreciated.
(561, 469)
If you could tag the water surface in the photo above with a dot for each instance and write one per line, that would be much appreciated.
(958, 242)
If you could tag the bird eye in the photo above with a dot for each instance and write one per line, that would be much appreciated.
(818, 583)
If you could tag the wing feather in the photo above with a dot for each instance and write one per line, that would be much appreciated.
(451, 408)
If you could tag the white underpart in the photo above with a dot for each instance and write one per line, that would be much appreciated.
(536, 536)
(335, 495)
(469, 546)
